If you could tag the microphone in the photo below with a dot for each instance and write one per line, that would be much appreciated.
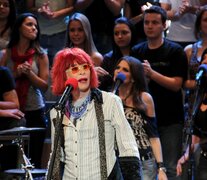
(70, 84)
(118, 81)
(201, 70)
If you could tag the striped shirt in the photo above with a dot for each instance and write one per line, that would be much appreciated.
(81, 145)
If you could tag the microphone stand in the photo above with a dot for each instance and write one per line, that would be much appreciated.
(27, 164)
(199, 94)
(58, 128)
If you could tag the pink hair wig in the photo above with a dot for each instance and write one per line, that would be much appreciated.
(62, 61)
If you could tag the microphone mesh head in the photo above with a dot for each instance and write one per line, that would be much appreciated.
(121, 76)
(72, 82)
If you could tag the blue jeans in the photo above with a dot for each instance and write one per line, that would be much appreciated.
(149, 169)
(171, 141)
(52, 44)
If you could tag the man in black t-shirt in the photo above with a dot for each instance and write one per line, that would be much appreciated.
(165, 65)
(10, 116)
(9, 103)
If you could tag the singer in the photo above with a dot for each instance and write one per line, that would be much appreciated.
(140, 113)
(91, 122)
(199, 137)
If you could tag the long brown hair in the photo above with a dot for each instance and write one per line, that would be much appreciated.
(139, 84)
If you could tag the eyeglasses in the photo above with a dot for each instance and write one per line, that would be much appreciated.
(77, 68)
(4, 5)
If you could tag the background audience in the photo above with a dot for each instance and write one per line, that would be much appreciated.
(123, 40)
(101, 15)
(140, 113)
(7, 19)
(10, 116)
(30, 67)
(51, 16)
(79, 35)
(165, 65)
(199, 131)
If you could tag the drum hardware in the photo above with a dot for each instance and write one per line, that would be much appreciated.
(20, 130)
(27, 167)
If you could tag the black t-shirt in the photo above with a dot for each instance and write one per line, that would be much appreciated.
(6, 81)
(200, 124)
(109, 63)
(169, 60)
(7, 84)
(200, 127)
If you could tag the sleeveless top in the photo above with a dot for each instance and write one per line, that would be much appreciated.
(35, 98)
(143, 127)
(193, 69)
(4, 40)
(182, 30)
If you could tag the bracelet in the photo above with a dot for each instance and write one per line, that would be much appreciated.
(161, 167)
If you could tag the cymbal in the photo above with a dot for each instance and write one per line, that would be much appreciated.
(21, 129)
(23, 171)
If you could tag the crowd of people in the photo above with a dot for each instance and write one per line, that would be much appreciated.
(138, 132)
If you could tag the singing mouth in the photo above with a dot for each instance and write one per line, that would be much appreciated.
(82, 80)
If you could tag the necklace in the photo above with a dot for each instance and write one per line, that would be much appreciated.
(77, 110)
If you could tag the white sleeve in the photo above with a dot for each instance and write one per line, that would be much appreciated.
(124, 135)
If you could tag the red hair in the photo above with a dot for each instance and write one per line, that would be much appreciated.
(62, 61)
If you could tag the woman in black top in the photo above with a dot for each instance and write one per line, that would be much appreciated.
(199, 137)
(140, 113)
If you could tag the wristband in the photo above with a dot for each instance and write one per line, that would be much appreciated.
(161, 167)
(160, 164)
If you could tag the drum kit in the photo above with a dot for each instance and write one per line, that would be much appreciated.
(27, 170)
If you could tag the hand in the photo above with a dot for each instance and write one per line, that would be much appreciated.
(101, 72)
(147, 68)
(146, 6)
(162, 175)
(26, 68)
(180, 162)
(13, 113)
(186, 7)
(46, 11)
(19, 70)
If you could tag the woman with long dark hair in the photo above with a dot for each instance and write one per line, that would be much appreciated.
(123, 41)
(140, 113)
(30, 68)
(79, 35)
(199, 127)
(8, 16)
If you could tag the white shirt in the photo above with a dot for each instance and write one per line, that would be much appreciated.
(82, 142)
(182, 30)
(52, 26)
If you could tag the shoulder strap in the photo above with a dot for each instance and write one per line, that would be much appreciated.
(194, 52)
(101, 131)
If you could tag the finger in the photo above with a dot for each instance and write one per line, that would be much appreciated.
(179, 169)
(16, 116)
